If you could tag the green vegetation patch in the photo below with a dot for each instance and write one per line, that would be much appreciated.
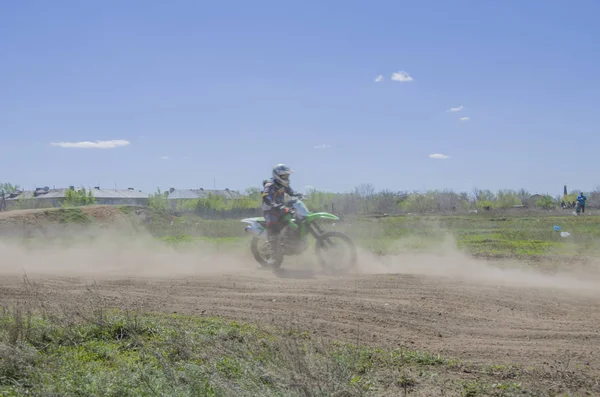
(520, 237)
(67, 215)
(498, 237)
(115, 353)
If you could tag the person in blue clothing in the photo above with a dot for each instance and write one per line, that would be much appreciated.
(581, 199)
(273, 196)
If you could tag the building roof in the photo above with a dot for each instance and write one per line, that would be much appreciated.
(179, 194)
(173, 194)
(12, 195)
(45, 193)
(119, 193)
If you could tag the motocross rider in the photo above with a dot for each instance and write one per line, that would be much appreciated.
(273, 197)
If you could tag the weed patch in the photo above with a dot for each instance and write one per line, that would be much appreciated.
(67, 215)
(116, 353)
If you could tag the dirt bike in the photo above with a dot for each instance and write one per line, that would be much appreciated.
(298, 223)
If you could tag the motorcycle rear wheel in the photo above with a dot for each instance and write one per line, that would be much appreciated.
(273, 261)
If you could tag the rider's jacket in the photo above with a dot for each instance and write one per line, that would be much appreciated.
(274, 193)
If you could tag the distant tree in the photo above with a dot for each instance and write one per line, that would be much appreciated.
(507, 199)
(420, 202)
(572, 197)
(90, 197)
(253, 192)
(545, 202)
(447, 200)
(8, 188)
(213, 201)
(316, 200)
(387, 200)
(364, 190)
(523, 195)
(486, 195)
(77, 198)
(158, 201)
(465, 202)
(474, 194)
(593, 200)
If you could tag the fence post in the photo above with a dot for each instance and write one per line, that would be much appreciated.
(332, 208)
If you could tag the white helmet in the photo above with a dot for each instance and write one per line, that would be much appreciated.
(281, 174)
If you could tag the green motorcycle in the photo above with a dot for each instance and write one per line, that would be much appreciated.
(299, 223)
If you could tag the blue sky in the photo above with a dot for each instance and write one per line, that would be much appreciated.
(227, 89)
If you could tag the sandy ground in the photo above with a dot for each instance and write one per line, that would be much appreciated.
(442, 302)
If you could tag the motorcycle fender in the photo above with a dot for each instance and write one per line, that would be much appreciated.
(254, 226)
(322, 215)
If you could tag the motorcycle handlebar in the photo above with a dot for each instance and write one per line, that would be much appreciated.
(293, 200)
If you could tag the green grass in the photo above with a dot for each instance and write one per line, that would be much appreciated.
(126, 209)
(117, 353)
(521, 237)
(67, 215)
(493, 237)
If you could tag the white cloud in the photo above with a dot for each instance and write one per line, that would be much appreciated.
(403, 77)
(92, 145)
(164, 158)
(379, 78)
(465, 119)
(323, 146)
(438, 156)
(458, 109)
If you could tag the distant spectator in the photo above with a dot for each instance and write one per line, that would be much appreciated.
(581, 199)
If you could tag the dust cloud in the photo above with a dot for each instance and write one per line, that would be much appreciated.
(115, 253)
(447, 261)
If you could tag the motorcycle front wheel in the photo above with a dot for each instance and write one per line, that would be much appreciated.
(336, 252)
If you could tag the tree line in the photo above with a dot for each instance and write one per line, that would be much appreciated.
(364, 199)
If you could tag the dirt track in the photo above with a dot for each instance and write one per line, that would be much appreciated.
(466, 320)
